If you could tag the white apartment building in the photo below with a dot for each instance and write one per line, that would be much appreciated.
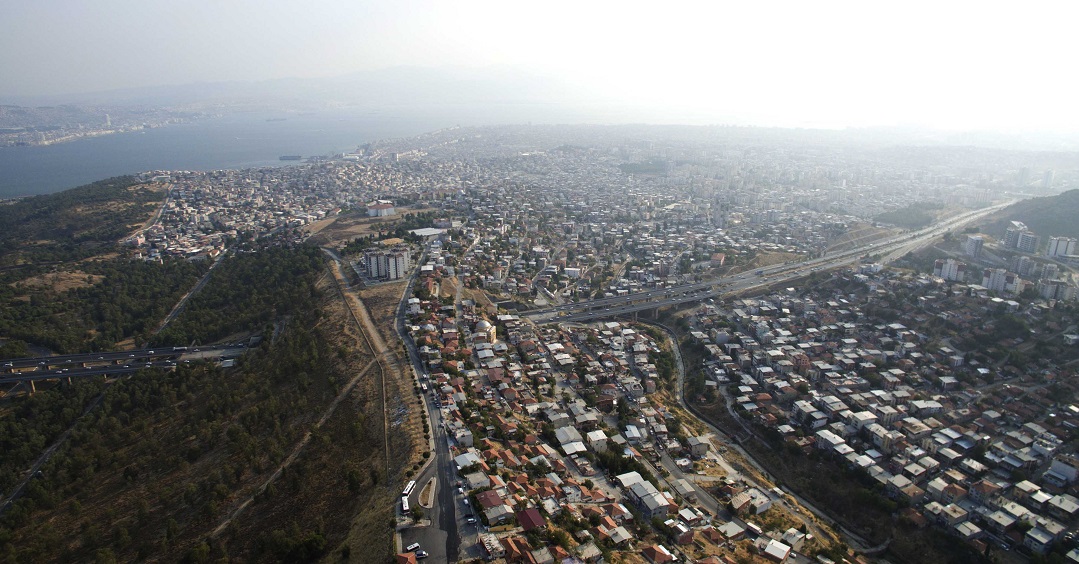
(1000, 280)
(1028, 242)
(950, 269)
(973, 246)
(1061, 246)
(388, 265)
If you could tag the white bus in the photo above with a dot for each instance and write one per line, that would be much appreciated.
(408, 489)
(404, 504)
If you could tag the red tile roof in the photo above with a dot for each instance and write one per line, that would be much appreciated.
(530, 519)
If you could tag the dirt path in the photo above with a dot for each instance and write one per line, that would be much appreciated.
(17, 491)
(378, 348)
(295, 451)
(376, 345)
(179, 307)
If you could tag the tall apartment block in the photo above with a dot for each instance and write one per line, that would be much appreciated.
(1061, 246)
(974, 245)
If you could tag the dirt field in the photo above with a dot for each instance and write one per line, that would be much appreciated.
(317, 227)
(768, 259)
(99, 258)
(345, 228)
(348, 226)
(61, 281)
(448, 288)
(482, 299)
(859, 235)
(381, 302)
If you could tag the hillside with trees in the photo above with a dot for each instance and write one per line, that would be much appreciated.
(1051, 216)
(65, 282)
(914, 216)
(168, 456)
(247, 292)
(107, 302)
(74, 224)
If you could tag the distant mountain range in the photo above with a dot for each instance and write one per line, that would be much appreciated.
(1051, 216)
(549, 98)
(398, 86)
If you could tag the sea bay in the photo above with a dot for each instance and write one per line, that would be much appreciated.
(234, 141)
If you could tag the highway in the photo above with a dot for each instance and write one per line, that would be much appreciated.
(889, 249)
(107, 363)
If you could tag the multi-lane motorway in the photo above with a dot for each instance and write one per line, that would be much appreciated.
(888, 249)
(107, 363)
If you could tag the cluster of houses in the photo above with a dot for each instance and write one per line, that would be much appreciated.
(919, 417)
(530, 413)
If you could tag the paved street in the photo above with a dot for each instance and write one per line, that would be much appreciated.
(440, 538)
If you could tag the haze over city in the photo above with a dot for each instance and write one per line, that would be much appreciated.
(435, 282)
(953, 66)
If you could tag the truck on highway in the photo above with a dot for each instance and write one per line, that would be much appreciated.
(759, 272)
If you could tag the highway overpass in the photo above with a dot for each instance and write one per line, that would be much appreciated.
(889, 248)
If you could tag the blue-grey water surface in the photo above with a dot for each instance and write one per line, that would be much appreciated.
(235, 141)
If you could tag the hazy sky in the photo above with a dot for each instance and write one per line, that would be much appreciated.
(943, 64)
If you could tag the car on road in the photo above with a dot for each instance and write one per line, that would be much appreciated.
(421, 554)
(412, 547)
(470, 519)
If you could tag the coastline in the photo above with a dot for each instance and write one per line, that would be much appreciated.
(80, 135)
(227, 142)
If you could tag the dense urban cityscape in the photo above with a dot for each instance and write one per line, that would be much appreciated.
(572, 283)
(914, 373)
(30, 126)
